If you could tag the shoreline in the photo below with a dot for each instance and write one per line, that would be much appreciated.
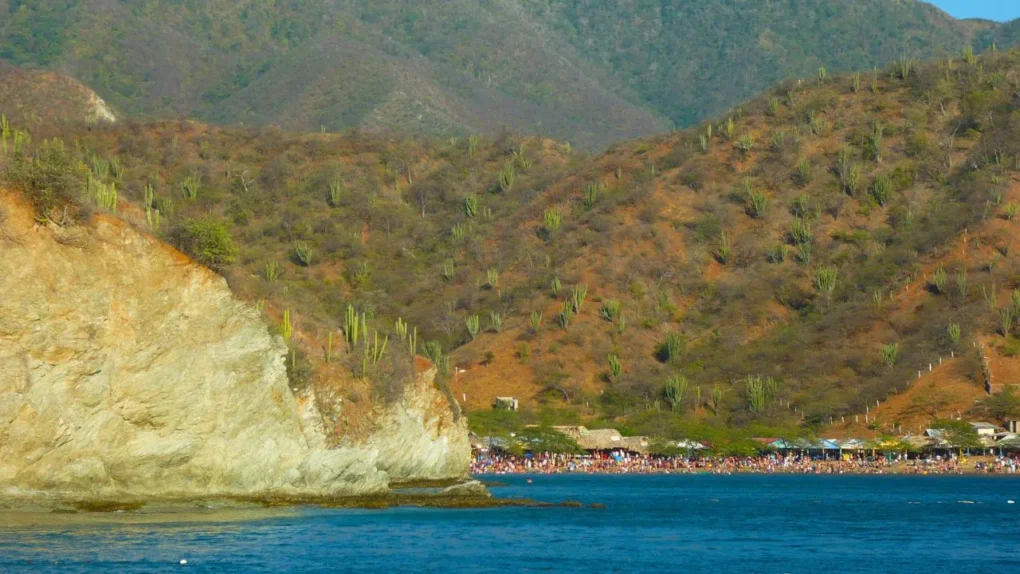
(791, 465)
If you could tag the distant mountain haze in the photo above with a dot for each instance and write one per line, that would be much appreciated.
(583, 71)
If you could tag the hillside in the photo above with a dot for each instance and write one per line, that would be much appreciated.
(830, 237)
(32, 97)
(591, 73)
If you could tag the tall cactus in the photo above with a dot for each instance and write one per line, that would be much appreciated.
(472, 324)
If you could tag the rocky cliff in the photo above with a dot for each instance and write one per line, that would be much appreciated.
(126, 370)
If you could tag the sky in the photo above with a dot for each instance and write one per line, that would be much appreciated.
(1001, 10)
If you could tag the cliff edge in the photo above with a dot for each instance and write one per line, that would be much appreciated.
(127, 370)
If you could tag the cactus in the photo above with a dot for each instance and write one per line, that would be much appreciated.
(152, 218)
(717, 394)
(1006, 316)
(800, 232)
(610, 310)
(577, 296)
(745, 143)
(506, 177)
(889, 354)
(968, 55)
(760, 390)
(336, 188)
(615, 366)
(555, 286)
(303, 253)
(825, 280)
(190, 187)
(472, 324)
(757, 201)
(566, 312)
(116, 168)
(472, 145)
(881, 190)
(822, 74)
(329, 347)
(774, 107)
(521, 160)
(873, 143)
(591, 194)
(777, 253)
(551, 221)
(729, 127)
(989, 296)
(536, 321)
(954, 333)
(105, 194)
(940, 280)
(5, 133)
(492, 278)
(672, 350)
(723, 253)
(1010, 211)
(353, 324)
(448, 270)
(459, 232)
(676, 387)
(855, 83)
(962, 284)
(433, 351)
(495, 322)
(470, 206)
(165, 206)
(272, 271)
(286, 329)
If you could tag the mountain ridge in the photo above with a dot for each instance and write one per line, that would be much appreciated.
(574, 70)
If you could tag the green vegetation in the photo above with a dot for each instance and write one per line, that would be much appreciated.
(653, 65)
(669, 255)
(208, 241)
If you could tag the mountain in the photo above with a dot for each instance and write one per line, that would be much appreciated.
(591, 73)
(787, 264)
(32, 97)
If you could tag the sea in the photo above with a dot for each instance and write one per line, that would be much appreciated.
(659, 523)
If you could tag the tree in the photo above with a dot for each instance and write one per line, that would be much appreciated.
(958, 434)
(208, 241)
(1003, 405)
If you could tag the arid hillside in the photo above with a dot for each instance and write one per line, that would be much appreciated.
(789, 262)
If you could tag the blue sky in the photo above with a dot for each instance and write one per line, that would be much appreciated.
(1001, 10)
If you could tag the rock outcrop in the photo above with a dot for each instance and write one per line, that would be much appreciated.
(126, 370)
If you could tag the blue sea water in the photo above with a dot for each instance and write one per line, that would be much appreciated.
(650, 524)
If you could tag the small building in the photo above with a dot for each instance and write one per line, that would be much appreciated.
(506, 404)
(1013, 426)
(984, 429)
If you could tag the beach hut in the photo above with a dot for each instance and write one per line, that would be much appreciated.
(636, 444)
(601, 440)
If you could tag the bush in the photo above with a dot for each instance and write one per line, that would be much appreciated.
(207, 241)
(51, 177)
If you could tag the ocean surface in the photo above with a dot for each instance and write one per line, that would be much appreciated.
(650, 524)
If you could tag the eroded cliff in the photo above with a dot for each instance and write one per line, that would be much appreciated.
(126, 370)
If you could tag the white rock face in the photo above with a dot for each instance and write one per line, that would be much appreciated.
(128, 371)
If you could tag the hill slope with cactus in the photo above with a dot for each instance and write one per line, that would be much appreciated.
(789, 262)
(592, 73)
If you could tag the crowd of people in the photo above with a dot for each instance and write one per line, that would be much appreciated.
(621, 462)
